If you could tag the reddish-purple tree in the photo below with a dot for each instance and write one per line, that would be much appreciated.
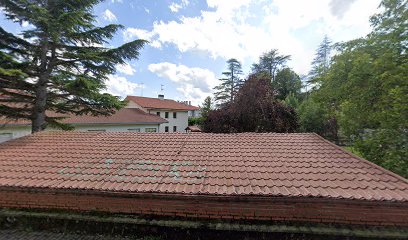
(255, 109)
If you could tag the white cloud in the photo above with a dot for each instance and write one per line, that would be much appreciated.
(125, 69)
(339, 7)
(147, 10)
(194, 83)
(132, 33)
(247, 28)
(175, 7)
(26, 24)
(120, 86)
(109, 16)
(118, 1)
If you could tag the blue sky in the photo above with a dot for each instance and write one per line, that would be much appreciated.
(190, 40)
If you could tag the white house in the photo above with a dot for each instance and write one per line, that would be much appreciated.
(176, 113)
(124, 120)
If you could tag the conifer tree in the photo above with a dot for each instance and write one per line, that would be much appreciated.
(230, 83)
(321, 62)
(60, 64)
(206, 107)
(269, 63)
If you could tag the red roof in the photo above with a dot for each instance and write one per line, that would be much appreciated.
(244, 164)
(122, 116)
(156, 103)
(193, 128)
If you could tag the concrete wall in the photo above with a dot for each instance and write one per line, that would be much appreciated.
(116, 128)
(181, 120)
(8, 133)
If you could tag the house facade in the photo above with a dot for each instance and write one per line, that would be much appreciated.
(124, 120)
(176, 113)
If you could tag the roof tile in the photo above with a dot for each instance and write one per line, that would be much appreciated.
(122, 116)
(264, 164)
(156, 103)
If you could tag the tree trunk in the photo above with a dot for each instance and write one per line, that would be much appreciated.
(232, 85)
(38, 120)
(38, 114)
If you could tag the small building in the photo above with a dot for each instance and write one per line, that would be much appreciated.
(263, 181)
(193, 129)
(124, 120)
(176, 113)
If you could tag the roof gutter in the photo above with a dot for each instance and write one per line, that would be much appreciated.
(181, 196)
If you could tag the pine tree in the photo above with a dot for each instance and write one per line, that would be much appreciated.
(206, 107)
(321, 62)
(230, 83)
(269, 63)
(60, 64)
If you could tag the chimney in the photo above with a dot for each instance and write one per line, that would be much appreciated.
(161, 96)
(189, 103)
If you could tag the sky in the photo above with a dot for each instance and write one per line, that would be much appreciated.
(191, 40)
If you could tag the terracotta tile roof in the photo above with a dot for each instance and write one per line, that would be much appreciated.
(156, 103)
(262, 164)
(122, 116)
(193, 128)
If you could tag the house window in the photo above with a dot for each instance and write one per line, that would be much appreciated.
(134, 129)
(97, 130)
(166, 114)
(174, 128)
(158, 114)
(174, 114)
(166, 128)
(150, 130)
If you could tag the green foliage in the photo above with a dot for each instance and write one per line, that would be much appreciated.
(353, 150)
(269, 63)
(312, 116)
(364, 90)
(387, 148)
(291, 101)
(230, 83)
(321, 62)
(60, 63)
(206, 107)
(286, 81)
(195, 121)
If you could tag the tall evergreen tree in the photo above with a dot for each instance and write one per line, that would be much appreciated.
(230, 83)
(321, 61)
(60, 64)
(206, 107)
(269, 63)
